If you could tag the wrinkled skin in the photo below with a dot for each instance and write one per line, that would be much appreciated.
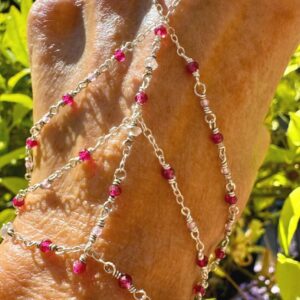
(242, 47)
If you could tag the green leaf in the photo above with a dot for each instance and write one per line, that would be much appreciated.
(25, 7)
(11, 156)
(291, 69)
(289, 218)
(279, 155)
(7, 215)
(19, 112)
(2, 83)
(12, 82)
(17, 98)
(4, 134)
(287, 276)
(293, 132)
(15, 36)
(14, 184)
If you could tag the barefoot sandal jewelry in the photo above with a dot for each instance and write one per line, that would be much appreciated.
(132, 126)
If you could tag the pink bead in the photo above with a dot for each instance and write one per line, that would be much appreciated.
(115, 190)
(79, 267)
(168, 173)
(18, 202)
(31, 143)
(84, 155)
(45, 246)
(231, 199)
(161, 31)
(191, 226)
(97, 231)
(141, 98)
(192, 67)
(119, 55)
(199, 290)
(220, 253)
(217, 138)
(29, 164)
(225, 171)
(202, 262)
(204, 103)
(68, 99)
(125, 281)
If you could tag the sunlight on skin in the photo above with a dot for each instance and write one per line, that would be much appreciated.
(242, 47)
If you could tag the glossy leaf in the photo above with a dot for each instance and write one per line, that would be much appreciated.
(287, 275)
(11, 156)
(293, 132)
(7, 215)
(15, 36)
(289, 218)
(13, 184)
(17, 98)
(12, 82)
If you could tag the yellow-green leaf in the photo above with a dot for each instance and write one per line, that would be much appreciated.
(17, 98)
(14, 184)
(293, 132)
(287, 276)
(11, 156)
(289, 218)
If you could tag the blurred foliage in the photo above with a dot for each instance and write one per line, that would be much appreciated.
(268, 234)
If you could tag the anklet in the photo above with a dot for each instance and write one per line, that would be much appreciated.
(132, 127)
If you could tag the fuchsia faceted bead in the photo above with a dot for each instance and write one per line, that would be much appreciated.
(125, 281)
(202, 262)
(231, 199)
(168, 173)
(161, 31)
(119, 55)
(199, 290)
(84, 155)
(18, 202)
(79, 267)
(220, 253)
(31, 143)
(192, 67)
(115, 190)
(45, 246)
(217, 138)
(141, 98)
(68, 99)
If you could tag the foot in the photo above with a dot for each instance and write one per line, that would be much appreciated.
(145, 236)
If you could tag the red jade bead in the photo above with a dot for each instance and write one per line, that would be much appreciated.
(68, 99)
(125, 281)
(192, 67)
(217, 138)
(231, 199)
(31, 143)
(202, 262)
(84, 155)
(220, 253)
(115, 190)
(79, 267)
(141, 98)
(168, 173)
(18, 202)
(199, 290)
(45, 246)
(119, 55)
(161, 31)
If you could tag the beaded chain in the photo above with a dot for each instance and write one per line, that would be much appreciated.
(131, 127)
